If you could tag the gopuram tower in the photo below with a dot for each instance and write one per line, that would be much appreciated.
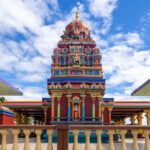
(77, 86)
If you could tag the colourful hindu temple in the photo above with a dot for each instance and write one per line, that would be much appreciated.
(77, 86)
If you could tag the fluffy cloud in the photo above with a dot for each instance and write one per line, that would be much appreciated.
(126, 63)
(32, 77)
(128, 39)
(30, 93)
(23, 15)
(103, 9)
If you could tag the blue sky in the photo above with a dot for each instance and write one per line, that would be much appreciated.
(30, 30)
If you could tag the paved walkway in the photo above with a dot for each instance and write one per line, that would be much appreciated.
(81, 146)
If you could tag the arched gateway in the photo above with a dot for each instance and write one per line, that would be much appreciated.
(77, 86)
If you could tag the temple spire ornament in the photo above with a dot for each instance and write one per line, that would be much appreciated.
(77, 15)
(77, 12)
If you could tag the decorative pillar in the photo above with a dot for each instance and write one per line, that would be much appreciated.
(135, 142)
(146, 134)
(93, 108)
(58, 110)
(69, 100)
(110, 110)
(147, 116)
(50, 133)
(75, 144)
(139, 118)
(132, 119)
(79, 110)
(52, 107)
(99, 108)
(83, 107)
(103, 114)
(4, 133)
(110, 107)
(72, 110)
(99, 112)
(15, 134)
(111, 143)
(99, 143)
(123, 144)
(38, 139)
(58, 106)
(87, 144)
(27, 133)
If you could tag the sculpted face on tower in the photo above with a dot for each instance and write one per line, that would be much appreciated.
(76, 30)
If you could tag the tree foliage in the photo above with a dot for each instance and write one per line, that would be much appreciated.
(2, 99)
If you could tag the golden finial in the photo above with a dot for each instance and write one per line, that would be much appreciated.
(77, 15)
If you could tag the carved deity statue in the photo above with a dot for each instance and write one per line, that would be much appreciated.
(76, 58)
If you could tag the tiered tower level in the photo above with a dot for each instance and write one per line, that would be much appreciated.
(76, 86)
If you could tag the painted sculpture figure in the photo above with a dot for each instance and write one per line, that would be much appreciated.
(77, 86)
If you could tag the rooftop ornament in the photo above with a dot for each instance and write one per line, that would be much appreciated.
(77, 15)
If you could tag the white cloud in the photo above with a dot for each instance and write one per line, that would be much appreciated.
(30, 93)
(128, 39)
(103, 9)
(32, 77)
(23, 15)
(133, 39)
(17, 15)
(126, 64)
(7, 60)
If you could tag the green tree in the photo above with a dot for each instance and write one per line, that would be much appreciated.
(2, 99)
